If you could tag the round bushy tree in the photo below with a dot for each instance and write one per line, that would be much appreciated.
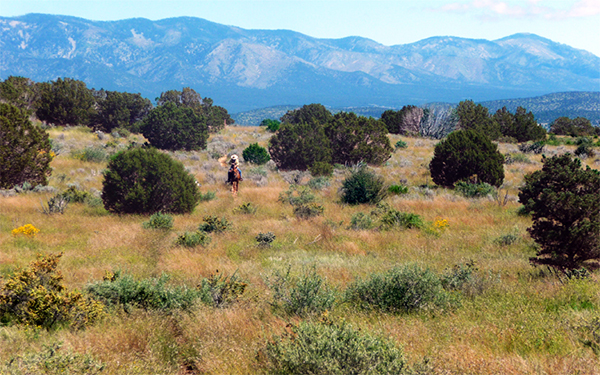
(465, 153)
(256, 154)
(298, 146)
(146, 181)
(24, 149)
(173, 127)
(565, 205)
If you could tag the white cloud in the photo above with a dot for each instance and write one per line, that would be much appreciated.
(523, 9)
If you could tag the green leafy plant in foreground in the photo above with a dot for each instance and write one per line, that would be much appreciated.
(159, 221)
(335, 348)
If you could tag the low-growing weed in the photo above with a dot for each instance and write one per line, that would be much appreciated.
(302, 295)
(193, 239)
(532, 148)
(159, 221)
(459, 275)
(91, 154)
(265, 239)
(306, 211)
(213, 224)
(246, 208)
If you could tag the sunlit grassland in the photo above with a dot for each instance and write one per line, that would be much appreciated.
(521, 320)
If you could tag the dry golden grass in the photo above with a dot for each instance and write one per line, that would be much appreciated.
(520, 322)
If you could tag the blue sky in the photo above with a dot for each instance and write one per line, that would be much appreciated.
(572, 22)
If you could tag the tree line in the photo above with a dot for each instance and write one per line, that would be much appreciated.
(69, 102)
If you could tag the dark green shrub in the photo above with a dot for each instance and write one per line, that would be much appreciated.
(193, 239)
(36, 296)
(159, 221)
(465, 153)
(145, 181)
(265, 239)
(21, 92)
(565, 206)
(401, 144)
(256, 154)
(213, 224)
(149, 294)
(332, 348)
(400, 290)
(172, 127)
(25, 153)
(321, 169)
(474, 190)
(302, 295)
(363, 186)
(398, 189)
(219, 290)
(577, 127)
(520, 127)
(53, 361)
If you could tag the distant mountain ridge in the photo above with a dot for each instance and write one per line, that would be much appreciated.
(247, 69)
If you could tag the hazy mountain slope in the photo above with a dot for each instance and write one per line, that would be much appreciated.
(244, 69)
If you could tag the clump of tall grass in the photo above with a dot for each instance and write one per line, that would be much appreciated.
(193, 239)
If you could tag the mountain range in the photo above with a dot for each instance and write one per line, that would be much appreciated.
(244, 69)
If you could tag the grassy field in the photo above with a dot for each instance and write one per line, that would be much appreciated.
(516, 319)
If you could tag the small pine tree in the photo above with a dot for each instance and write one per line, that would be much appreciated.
(565, 205)
(145, 181)
(363, 186)
(465, 153)
(25, 151)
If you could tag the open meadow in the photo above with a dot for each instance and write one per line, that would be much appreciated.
(509, 318)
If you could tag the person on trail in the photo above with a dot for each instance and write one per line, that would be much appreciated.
(234, 176)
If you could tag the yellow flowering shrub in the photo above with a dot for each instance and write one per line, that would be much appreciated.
(27, 230)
